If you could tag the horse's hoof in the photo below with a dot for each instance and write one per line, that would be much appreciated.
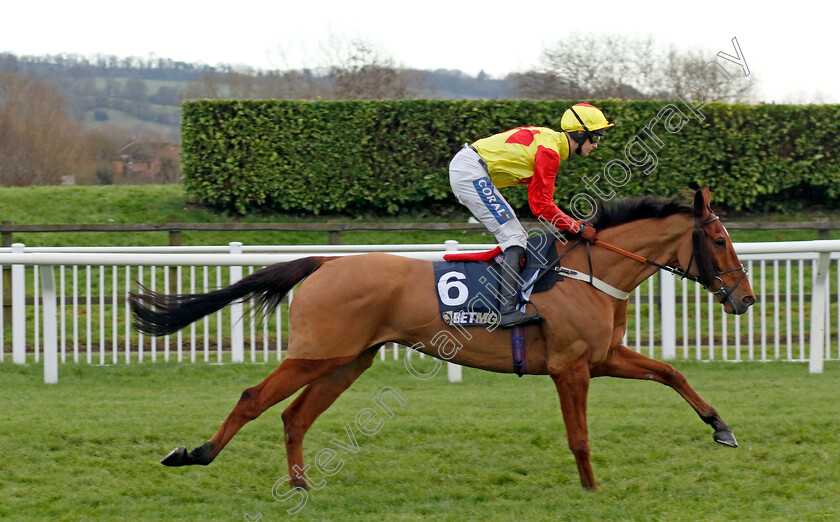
(176, 457)
(298, 483)
(726, 438)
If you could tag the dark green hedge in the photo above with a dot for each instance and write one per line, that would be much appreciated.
(388, 156)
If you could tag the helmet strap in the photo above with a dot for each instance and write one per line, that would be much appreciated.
(580, 139)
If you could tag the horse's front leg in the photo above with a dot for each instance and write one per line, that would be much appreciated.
(628, 364)
(572, 382)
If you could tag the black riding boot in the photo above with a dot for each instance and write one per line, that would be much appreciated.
(508, 286)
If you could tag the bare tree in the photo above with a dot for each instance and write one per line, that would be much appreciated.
(684, 69)
(636, 68)
(211, 86)
(38, 144)
(103, 148)
(291, 85)
(358, 70)
(288, 85)
(543, 85)
(240, 84)
(349, 69)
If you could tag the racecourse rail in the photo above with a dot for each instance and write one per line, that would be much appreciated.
(792, 281)
(334, 230)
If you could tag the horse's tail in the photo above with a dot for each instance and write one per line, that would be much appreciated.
(161, 314)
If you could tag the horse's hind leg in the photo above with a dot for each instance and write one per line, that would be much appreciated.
(290, 376)
(312, 402)
(626, 363)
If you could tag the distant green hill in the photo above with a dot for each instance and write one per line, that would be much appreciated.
(144, 95)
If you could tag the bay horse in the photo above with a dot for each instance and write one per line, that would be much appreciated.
(348, 307)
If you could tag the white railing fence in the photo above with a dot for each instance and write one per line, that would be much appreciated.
(78, 311)
(796, 317)
(70, 301)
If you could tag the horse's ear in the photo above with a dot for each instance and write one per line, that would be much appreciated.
(699, 206)
(702, 201)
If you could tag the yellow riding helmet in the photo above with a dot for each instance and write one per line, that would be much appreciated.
(584, 117)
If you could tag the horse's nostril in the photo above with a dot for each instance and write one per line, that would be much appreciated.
(748, 300)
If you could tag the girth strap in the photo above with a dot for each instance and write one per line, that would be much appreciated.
(517, 341)
(554, 266)
(603, 286)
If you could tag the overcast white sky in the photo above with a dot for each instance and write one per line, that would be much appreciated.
(789, 46)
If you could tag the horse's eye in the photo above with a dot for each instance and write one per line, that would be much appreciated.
(720, 243)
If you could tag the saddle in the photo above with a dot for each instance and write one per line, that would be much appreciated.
(467, 284)
(467, 287)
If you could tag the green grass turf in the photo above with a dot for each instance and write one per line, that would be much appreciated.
(490, 448)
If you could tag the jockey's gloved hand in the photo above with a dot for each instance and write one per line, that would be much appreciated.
(587, 232)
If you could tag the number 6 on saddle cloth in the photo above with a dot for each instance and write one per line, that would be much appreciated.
(468, 290)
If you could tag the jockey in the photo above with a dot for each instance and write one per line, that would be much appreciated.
(523, 156)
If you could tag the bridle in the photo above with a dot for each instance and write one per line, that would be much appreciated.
(706, 277)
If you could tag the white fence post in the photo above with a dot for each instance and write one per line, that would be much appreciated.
(453, 371)
(815, 364)
(237, 329)
(50, 326)
(667, 304)
(18, 309)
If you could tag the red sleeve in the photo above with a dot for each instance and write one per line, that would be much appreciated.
(541, 190)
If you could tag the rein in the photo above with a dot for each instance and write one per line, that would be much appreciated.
(674, 270)
(677, 271)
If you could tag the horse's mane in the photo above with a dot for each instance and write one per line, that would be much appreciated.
(624, 210)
